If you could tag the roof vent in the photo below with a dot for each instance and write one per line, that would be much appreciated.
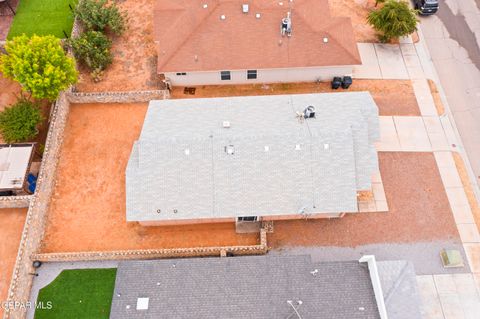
(187, 151)
(326, 146)
(230, 149)
(205, 6)
(226, 124)
(286, 28)
(309, 112)
(245, 8)
(257, 15)
(266, 148)
(325, 40)
(223, 17)
(142, 303)
(298, 147)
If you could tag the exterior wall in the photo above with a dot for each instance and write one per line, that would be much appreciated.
(187, 221)
(232, 220)
(263, 76)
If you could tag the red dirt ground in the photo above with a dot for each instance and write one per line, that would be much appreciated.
(135, 57)
(9, 91)
(419, 211)
(88, 206)
(357, 10)
(11, 226)
(393, 97)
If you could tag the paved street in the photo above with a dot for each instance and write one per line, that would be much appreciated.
(452, 37)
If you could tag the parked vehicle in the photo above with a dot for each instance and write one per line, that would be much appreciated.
(426, 7)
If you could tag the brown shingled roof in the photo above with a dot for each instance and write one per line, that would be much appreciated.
(191, 37)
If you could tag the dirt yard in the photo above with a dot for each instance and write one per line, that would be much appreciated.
(9, 91)
(11, 226)
(134, 63)
(419, 211)
(357, 10)
(393, 97)
(88, 206)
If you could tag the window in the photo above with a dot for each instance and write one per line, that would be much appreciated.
(247, 219)
(181, 73)
(251, 74)
(225, 75)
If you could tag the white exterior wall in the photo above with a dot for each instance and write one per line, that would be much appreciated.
(263, 76)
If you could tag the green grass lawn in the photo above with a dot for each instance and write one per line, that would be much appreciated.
(78, 294)
(43, 17)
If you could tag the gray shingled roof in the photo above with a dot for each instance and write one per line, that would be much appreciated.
(400, 292)
(179, 162)
(243, 287)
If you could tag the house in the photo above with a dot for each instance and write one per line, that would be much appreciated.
(265, 287)
(202, 42)
(252, 158)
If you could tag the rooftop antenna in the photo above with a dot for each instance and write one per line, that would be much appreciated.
(299, 302)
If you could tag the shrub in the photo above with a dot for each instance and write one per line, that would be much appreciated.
(93, 49)
(39, 64)
(393, 20)
(19, 122)
(96, 15)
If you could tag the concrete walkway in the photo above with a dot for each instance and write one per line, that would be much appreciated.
(445, 295)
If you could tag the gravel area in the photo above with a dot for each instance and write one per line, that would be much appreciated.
(425, 256)
(11, 227)
(419, 211)
(87, 211)
(393, 97)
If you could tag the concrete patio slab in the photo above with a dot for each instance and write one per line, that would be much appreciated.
(451, 306)
(388, 135)
(457, 197)
(369, 69)
(435, 132)
(412, 133)
(462, 215)
(391, 61)
(430, 307)
(445, 284)
(424, 97)
(469, 233)
(450, 177)
(472, 250)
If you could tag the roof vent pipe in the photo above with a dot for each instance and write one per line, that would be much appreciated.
(377, 286)
(286, 28)
(245, 8)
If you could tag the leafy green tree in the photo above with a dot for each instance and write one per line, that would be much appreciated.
(393, 20)
(19, 122)
(39, 64)
(97, 15)
(93, 49)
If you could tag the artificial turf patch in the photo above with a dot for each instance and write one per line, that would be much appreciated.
(78, 294)
(43, 17)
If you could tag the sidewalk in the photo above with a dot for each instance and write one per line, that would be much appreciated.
(443, 296)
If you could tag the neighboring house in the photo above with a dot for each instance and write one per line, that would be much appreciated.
(265, 287)
(252, 158)
(201, 42)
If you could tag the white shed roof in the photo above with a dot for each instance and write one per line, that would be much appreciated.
(14, 163)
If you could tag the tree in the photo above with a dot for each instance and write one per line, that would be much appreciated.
(393, 20)
(39, 64)
(96, 15)
(19, 122)
(93, 49)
